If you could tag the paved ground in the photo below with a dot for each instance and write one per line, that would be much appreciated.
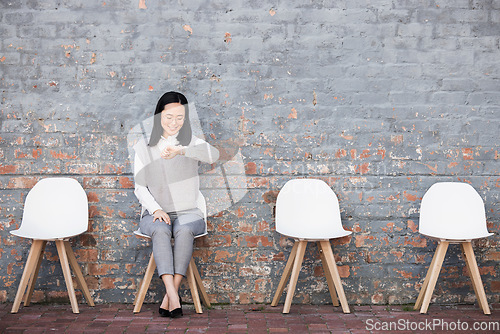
(118, 318)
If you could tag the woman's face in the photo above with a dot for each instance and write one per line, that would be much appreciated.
(172, 119)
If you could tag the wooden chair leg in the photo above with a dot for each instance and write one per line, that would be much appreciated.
(194, 289)
(301, 249)
(34, 276)
(434, 274)
(471, 264)
(139, 299)
(285, 275)
(467, 265)
(63, 257)
(78, 273)
(199, 284)
(29, 268)
(328, 275)
(423, 289)
(330, 260)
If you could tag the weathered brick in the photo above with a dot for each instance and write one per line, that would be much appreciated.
(380, 101)
(102, 269)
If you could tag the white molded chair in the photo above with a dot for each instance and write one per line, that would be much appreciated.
(308, 211)
(193, 276)
(55, 209)
(452, 213)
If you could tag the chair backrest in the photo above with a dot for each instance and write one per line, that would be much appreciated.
(55, 208)
(452, 210)
(308, 209)
(202, 205)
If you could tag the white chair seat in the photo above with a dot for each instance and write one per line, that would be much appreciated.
(139, 234)
(42, 235)
(455, 240)
(322, 238)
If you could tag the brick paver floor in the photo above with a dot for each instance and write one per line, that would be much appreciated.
(119, 318)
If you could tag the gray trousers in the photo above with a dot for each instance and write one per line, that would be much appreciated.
(183, 228)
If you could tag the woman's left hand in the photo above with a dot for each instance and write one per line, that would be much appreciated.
(171, 151)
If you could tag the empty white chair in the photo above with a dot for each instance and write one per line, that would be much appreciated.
(452, 213)
(308, 210)
(55, 209)
(193, 276)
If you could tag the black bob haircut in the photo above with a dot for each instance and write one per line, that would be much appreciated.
(185, 133)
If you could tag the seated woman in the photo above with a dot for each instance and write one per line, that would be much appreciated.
(167, 186)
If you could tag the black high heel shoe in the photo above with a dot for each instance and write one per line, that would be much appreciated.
(164, 313)
(177, 312)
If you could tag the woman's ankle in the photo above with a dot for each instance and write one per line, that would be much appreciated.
(165, 302)
(174, 302)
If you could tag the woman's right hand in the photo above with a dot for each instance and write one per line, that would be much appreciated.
(161, 216)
